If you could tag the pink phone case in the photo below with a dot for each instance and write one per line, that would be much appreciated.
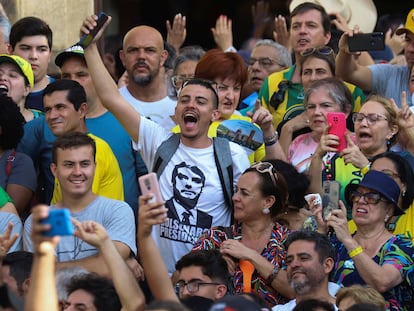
(149, 184)
(337, 121)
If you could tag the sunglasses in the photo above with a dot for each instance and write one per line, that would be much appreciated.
(325, 50)
(177, 80)
(209, 84)
(369, 197)
(266, 167)
(278, 97)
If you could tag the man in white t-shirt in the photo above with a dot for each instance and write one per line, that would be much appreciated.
(143, 56)
(310, 259)
(196, 109)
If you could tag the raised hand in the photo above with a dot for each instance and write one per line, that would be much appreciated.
(223, 33)
(89, 24)
(91, 232)
(7, 240)
(150, 214)
(281, 33)
(176, 33)
(352, 154)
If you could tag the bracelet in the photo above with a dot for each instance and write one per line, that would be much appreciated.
(365, 169)
(269, 141)
(273, 274)
(356, 251)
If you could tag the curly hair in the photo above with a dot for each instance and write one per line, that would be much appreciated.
(11, 123)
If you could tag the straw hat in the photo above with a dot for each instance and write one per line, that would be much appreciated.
(356, 12)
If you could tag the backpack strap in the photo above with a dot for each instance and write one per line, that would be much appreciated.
(224, 163)
(9, 163)
(164, 153)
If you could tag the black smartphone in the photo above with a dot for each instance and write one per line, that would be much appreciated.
(373, 41)
(87, 39)
(59, 221)
(330, 198)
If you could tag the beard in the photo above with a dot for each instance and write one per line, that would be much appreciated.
(147, 79)
(300, 287)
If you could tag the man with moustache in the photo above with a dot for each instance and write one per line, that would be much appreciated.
(143, 56)
(310, 259)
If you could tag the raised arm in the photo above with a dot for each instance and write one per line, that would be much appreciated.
(347, 66)
(42, 294)
(105, 86)
(129, 293)
(156, 272)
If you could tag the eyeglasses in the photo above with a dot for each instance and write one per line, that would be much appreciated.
(192, 285)
(178, 80)
(372, 118)
(325, 50)
(266, 167)
(369, 197)
(278, 97)
(264, 62)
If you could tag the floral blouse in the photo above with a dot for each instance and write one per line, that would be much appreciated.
(397, 251)
(273, 252)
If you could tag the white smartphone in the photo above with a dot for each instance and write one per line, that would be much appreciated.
(149, 185)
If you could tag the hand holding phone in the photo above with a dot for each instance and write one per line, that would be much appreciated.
(59, 221)
(149, 185)
(330, 199)
(87, 38)
(337, 122)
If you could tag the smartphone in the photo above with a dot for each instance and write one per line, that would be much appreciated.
(373, 41)
(149, 185)
(87, 39)
(337, 121)
(59, 221)
(330, 198)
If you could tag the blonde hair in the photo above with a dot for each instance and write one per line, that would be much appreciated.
(361, 294)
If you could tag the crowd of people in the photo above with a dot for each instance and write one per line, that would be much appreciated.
(245, 162)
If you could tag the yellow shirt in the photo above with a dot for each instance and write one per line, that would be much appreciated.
(255, 156)
(107, 181)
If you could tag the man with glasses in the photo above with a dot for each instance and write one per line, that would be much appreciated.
(266, 58)
(196, 109)
(384, 79)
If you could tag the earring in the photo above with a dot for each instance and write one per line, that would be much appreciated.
(266, 211)
(403, 193)
(386, 218)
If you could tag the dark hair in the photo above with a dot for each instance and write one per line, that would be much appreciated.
(335, 88)
(211, 262)
(225, 65)
(297, 183)
(30, 26)
(208, 84)
(72, 140)
(313, 304)
(112, 45)
(76, 93)
(364, 307)
(322, 246)
(20, 266)
(405, 173)
(102, 289)
(267, 187)
(307, 6)
(11, 123)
